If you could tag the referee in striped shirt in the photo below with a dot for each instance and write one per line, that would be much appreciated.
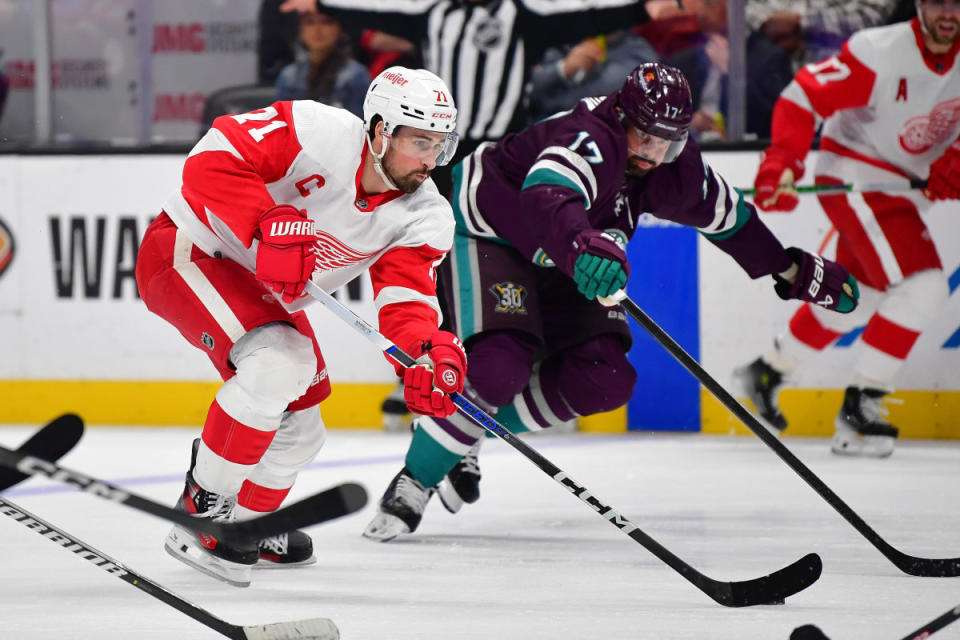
(484, 50)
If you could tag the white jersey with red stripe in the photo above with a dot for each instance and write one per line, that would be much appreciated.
(885, 101)
(310, 156)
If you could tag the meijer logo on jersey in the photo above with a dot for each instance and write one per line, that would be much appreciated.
(292, 228)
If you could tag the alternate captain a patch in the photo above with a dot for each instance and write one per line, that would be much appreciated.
(510, 298)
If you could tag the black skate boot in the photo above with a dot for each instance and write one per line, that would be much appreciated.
(396, 415)
(401, 508)
(462, 484)
(860, 426)
(228, 562)
(294, 549)
(761, 383)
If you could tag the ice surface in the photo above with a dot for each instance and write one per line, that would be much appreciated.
(528, 560)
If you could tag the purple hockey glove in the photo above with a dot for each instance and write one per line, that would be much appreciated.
(819, 281)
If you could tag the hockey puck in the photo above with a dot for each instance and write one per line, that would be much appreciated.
(808, 632)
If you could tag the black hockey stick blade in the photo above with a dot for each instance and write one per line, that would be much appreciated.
(771, 589)
(51, 442)
(335, 502)
(935, 567)
(309, 629)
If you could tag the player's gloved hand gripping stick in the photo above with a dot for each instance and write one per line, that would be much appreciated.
(768, 589)
(425, 388)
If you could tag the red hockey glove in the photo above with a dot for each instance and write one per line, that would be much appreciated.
(819, 281)
(286, 254)
(425, 387)
(775, 184)
(944, 181)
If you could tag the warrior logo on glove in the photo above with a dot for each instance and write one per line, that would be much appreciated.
(286, 255)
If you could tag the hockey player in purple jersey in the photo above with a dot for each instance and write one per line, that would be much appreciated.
(543, 217)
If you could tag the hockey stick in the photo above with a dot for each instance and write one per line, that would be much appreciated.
(851, 188)
(310, 629)
(812, 632)
(335, 502)
(940, 567)
(770, 589)
(935, 625)
(52, 441)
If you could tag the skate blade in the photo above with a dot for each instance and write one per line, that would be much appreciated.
(449, 497)
(180, 545)
(862, 446)
(385, 527)
(263, 563)
(848, 442)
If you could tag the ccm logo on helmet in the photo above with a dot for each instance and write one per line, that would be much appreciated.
(395, 78)
(441, 115)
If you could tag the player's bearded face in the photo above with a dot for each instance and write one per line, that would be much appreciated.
(405, 172)
(644, 152)
(941, 19)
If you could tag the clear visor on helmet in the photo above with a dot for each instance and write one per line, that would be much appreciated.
(653, 148)
(426, 146)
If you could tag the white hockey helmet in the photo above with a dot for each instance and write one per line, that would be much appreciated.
(413, 98)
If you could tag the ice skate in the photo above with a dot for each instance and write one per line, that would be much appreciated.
(294, 549)
(860, 426)
(227, 562)
(396, 415)
(401, 508)
(462, 484)
(761, 383)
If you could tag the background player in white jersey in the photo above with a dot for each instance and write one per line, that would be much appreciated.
(270, 199)
(891, 105)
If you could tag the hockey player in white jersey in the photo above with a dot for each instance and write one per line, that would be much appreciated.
(271, 199)
(890, 102)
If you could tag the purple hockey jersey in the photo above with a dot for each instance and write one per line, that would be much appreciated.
(537, 189)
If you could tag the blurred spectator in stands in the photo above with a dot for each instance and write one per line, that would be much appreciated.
(380, 50)
(326, 71)
(593, 67)
(706, 66)
(671, 28)
(811, 30)
(277, 34)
